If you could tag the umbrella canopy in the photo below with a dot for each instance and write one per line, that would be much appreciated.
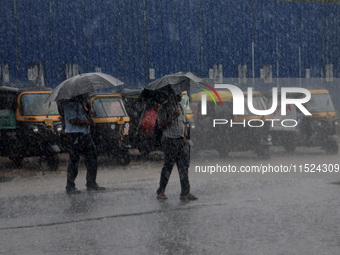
(82, 84)
(174, 84)
(179, 82)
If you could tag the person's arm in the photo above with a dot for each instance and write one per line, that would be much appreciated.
(184, 139)
(71, 116)
(168, 121)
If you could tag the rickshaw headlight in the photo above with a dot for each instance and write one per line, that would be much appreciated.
(191, 123)
(35, 129)
(59, 128)
(319, 123)
(269, 138)
(336, 123)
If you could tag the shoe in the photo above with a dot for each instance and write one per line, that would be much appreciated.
(188, 196)
(162, 196)
(72, 190)
(95, 188)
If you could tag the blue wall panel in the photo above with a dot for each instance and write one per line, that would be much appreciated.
(161, 37)
(265, 34)
(215, 19)
(188, 36)
(26, 38)
(131, 46)
(139, 62)
(288, 38)
(330, 36)
(240, 33)
(8, 39)
(126, 37)
(101, 37)
(34, 37)
(311, 39)
(68, 31)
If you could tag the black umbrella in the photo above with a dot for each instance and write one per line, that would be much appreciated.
(164, 90)
(82, 84)
(172, 84)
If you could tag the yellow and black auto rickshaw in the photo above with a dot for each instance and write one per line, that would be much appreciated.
(316, 130)
(233, 132)
(110, 134)
(28, 126)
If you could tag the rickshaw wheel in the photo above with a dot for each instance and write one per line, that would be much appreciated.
(290, 148)
(145, 152)
(124, 159)
(49, 163)
(263, 152)
(332, 148)
(16, 160)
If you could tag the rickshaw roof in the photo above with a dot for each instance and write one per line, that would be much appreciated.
(298, 95)
(131, 92)
(18, 90)
(319, 91)
(255, 93)
(112, 93)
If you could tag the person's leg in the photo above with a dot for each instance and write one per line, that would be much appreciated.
(90, 155)
(183, 162)
(170, 151)
(73, 162)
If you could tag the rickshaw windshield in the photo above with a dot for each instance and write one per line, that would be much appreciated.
(320, 103)
(32, 104)
(186, 104)
(258, 104)
(108, 107)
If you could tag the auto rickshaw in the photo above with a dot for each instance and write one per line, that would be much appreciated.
(110, 134)
(316, 130)
(29, 127)
(145, 134)
(234, 132)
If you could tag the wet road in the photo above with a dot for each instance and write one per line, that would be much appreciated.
(237, 213)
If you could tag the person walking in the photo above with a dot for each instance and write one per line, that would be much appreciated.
(174, 124)
(77, 128)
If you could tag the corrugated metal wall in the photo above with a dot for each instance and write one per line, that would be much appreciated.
(127, 38)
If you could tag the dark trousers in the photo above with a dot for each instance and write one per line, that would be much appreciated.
(175, 152)
(81, 144)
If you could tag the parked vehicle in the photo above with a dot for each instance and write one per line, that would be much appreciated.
(235, 134)
(110, 134)
(145, 134)
(317, 130)
(28, 127)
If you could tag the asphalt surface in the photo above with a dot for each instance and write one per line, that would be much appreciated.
(236, 213)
